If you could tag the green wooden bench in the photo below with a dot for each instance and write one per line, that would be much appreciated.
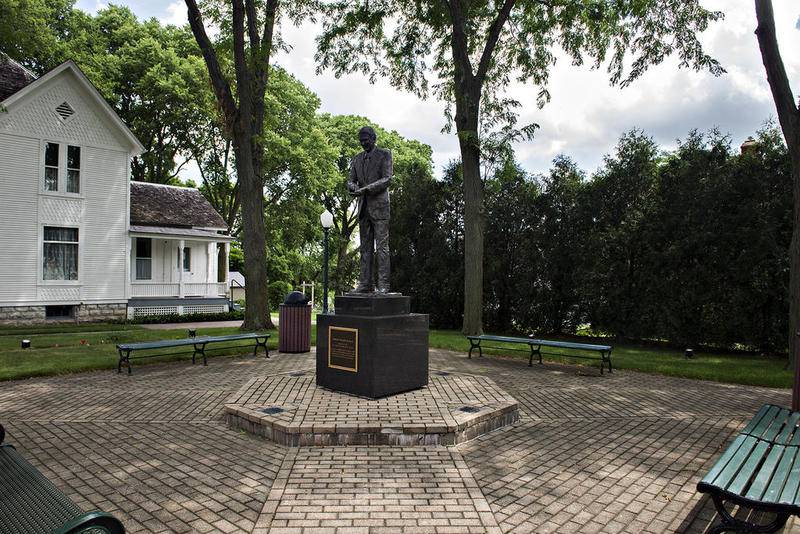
(31, 504)
(760, 470)
(535, 345)
(198, 343)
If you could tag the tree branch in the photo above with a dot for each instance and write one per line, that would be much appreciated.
(460, 44)
(491, 40)
(221, 87)
(252, 29)
(788, 114)
(240, 62)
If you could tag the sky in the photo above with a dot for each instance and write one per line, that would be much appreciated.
(586, 116)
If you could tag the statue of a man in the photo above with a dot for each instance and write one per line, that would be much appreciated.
(370, 175)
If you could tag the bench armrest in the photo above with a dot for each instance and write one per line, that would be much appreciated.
(93, 520)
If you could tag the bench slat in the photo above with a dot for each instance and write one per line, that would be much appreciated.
(186, 341)
(571, 345)
(31, 503)
(730, 470)
(766, 422)
(543, 342)
(789, 493)
(748, 429)
(781, 474)
(766, 473)
(788, 429)
(723, 460)
(748, 469)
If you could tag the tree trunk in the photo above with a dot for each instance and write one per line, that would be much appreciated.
(789, 119)
(794, 264)
(256, 315)
(467, 127)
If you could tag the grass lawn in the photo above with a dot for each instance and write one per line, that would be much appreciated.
(735, 368)
(85, 348)
(67, 349)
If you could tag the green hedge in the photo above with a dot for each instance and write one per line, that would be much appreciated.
(189, 317)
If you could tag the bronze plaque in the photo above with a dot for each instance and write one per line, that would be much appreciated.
(343, 348)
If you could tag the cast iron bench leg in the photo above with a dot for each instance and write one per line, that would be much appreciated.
(260, 344)
(201, 350)
(607, 356)
(473, 345)
(731, 524)
(538, 351)
(126, 358)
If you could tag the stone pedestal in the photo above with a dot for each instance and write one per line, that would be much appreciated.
(372, 346)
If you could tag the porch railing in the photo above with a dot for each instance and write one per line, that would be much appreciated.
(155, 290)
(190, 289)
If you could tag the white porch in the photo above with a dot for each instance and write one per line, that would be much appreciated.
(177, 263)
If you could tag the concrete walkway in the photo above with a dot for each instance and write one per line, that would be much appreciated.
(619, 453)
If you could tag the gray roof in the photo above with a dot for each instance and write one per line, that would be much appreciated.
(13, 76)
(170, 206)
(167, 232)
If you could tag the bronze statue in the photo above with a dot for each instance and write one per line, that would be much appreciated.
(370, 175)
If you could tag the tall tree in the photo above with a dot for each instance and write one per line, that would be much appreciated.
(243, 115)
(789, 119)
(477, 46)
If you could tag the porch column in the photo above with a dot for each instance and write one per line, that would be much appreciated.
(227, 263)
(180, 268)
(211, 275)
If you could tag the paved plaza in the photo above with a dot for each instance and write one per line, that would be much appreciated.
(590, 453)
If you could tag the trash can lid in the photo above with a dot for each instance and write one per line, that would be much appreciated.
(295, 298)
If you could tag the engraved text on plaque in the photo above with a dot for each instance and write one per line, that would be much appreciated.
(343, 348)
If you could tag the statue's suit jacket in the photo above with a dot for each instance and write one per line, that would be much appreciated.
(374, 171)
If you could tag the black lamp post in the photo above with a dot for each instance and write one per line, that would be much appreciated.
(327, 222)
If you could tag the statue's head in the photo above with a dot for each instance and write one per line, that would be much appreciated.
(367, 138)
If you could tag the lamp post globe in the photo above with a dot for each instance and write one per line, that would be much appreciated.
(326, 219)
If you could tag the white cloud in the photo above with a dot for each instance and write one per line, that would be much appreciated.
(176, 13)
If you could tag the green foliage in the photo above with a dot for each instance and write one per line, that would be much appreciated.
(188, 318)
(689, 247)
(413, 43)
(427, 235)
(409, 157)
(152, 75)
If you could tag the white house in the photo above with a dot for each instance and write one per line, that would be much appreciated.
(79, 240)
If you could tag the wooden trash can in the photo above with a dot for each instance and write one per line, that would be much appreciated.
(294, 327)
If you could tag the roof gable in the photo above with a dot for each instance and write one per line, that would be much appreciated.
(177, 207)
(33, 107)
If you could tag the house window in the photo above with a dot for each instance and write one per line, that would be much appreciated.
(73, 169)
(51, 167)
(144, 258)
(60, 253)
(187, 259)
(62, 166)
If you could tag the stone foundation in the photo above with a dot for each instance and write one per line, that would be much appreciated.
(84, 313)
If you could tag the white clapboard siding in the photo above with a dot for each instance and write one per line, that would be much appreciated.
(18, 209)
(100, 211)
(105, 219)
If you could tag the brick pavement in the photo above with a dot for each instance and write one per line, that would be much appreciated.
(619, 453)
